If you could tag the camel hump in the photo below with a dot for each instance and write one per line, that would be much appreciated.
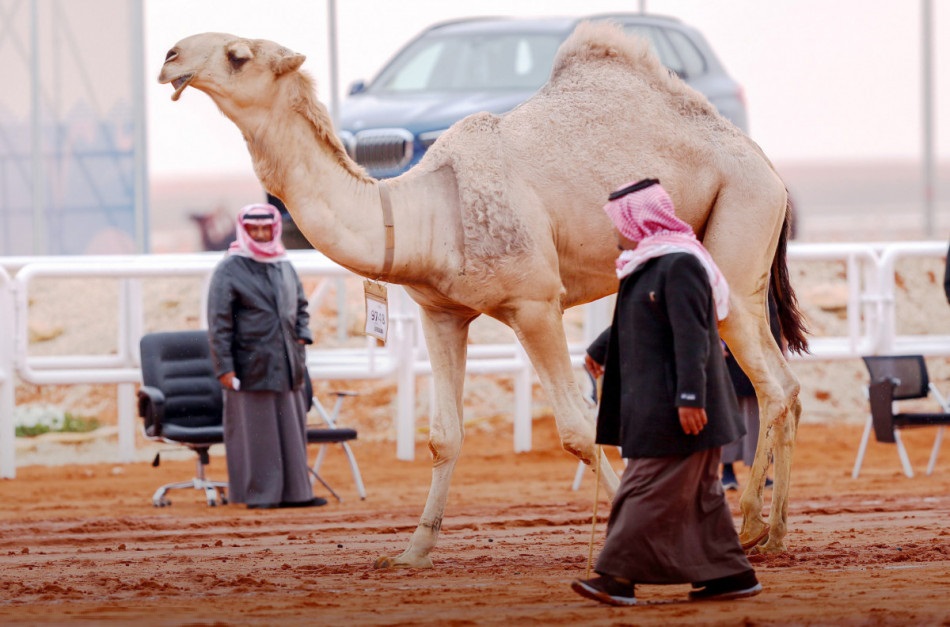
(494, 231)
(605, 41)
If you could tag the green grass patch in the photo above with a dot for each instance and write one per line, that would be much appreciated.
(67, 423)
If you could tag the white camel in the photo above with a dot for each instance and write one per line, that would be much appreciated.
(503, 217)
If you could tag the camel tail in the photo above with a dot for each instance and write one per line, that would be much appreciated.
(789, 314)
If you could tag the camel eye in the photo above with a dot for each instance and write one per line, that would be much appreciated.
(236, 61)
(171, 55)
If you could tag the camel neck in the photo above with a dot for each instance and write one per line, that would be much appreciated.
(337, 211)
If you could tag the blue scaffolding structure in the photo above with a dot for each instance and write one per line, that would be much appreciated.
(72, 128)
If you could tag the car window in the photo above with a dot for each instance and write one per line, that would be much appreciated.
(416, 71)
(660, 44)
(694, 64)
(467, 63)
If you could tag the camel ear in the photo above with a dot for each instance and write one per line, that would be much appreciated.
(239, 53)
(286, 61)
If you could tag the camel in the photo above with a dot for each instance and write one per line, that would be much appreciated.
(502, 217)
(216, 228)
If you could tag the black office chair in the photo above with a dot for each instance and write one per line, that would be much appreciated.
(180, 402)
(897, 378)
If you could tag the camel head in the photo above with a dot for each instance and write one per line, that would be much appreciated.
(228, 68)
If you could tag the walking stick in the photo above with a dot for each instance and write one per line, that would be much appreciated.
(593, 522)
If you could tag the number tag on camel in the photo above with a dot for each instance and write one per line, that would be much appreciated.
(377, 309)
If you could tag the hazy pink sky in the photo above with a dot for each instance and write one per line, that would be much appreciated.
(836, 80)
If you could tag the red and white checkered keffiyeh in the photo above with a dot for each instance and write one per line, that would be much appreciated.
(646, 215)
(244, 246)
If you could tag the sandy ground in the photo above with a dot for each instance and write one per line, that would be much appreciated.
(83, 544)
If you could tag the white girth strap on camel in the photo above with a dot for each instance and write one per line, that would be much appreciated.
(377, 303)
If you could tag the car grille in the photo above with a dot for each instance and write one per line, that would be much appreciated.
(382, 148)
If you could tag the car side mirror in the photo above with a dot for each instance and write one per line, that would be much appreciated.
(357, 87)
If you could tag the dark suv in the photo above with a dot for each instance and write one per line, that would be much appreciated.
(457, 68)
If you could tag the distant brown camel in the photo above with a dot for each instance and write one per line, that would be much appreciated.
(216, 229)
(503, 217)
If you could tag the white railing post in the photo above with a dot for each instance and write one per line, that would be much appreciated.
(130, 330)
(872, 298)
(341, 313)
(523, 384)
(403, 332)
(597, 317)
(7, 379)
(887, 329)
(854, 301)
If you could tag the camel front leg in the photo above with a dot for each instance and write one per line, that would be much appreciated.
(446, 337)
(540, 329)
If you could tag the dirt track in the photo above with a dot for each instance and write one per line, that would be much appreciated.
(83, 543)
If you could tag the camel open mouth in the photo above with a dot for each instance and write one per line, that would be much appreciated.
(179, 84)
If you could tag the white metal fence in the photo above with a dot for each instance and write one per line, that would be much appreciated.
(870, 315)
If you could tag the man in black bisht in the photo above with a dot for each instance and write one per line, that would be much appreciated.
(668, 403)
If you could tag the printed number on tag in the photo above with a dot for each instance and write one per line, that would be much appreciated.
(377, 310)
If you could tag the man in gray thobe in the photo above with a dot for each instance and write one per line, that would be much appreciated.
(258, 328)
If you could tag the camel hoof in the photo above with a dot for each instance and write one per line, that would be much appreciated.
(753, 541)
(772, 547)
(386, 562)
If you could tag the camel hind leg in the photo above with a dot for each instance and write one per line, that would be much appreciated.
(785, 431)
(446, 336)
(746, 234)
(540, 329)
(748, 336)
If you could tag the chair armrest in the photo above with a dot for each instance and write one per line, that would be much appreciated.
(316, 435)
(151, 403)
(941, 400)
